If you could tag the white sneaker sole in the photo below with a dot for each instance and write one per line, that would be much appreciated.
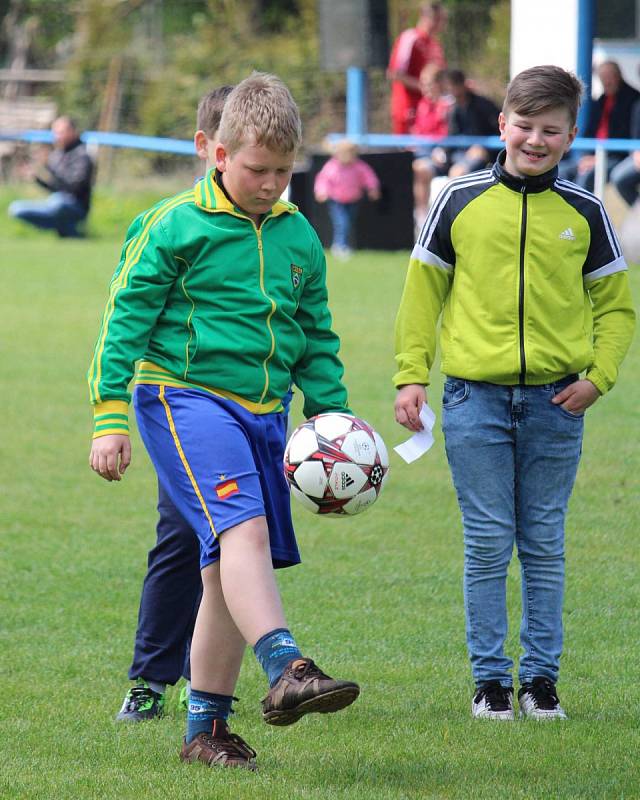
(501, 716)
(540, 716)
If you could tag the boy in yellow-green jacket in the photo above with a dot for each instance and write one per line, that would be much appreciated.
(529, 278)
(221, 294)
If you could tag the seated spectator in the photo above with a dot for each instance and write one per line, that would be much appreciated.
(432, 119)
(625, 176)
(66, 172)
(432, 111)
(610, 118)
(472, 114)
(343, 181)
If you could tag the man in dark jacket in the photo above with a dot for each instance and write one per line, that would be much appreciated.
(609, 118)
(626, 175)
(472, 114)
(67, 174)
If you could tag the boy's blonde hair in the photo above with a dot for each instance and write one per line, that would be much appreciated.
(538, 89)
(260, 110)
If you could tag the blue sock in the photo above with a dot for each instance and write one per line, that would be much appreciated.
(204, 707)
(274, 651)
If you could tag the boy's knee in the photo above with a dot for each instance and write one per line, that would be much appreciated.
(252, 533)
(422, 168)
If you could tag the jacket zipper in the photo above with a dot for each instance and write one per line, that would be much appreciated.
(271, 313)
(523, 236)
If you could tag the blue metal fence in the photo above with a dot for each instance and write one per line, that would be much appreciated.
(370, 140)
(366, 140)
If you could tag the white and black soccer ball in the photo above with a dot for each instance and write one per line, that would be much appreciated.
(336, 464)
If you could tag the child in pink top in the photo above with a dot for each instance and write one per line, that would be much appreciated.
(343, 181)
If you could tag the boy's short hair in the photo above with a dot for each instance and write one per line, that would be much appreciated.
(210, 110)
(539, 89)
(260, 110)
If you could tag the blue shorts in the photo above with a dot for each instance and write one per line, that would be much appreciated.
(220, 464)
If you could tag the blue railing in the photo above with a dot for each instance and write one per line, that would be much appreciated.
(107, 139)
(384, 140)
(366, 140)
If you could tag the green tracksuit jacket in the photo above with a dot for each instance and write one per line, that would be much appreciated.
(207, 299)
(530, 281)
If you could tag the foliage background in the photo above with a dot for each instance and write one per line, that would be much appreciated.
(140, 66)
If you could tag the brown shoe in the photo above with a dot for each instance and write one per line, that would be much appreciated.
(302, 689)
(220, 748)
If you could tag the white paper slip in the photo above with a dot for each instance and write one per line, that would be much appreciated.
(421, 441)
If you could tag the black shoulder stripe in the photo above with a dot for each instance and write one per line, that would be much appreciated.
(590, 207)
(454, 197)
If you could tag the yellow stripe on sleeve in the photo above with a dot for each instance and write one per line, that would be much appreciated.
(132, 256)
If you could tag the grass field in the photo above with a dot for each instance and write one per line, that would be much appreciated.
(377, 599)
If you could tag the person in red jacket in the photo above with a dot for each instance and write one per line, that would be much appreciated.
(412, 51)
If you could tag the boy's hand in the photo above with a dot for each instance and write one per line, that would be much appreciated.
(105, 452)
(409, 401)
(577, 397)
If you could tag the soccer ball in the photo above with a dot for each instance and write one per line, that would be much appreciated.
(336, 464)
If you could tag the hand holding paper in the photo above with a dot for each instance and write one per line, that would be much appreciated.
(421, 441)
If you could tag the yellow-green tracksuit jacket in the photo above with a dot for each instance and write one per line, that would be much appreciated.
(530, 280)
(209, 300)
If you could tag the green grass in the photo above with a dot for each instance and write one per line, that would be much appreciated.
(377, 599)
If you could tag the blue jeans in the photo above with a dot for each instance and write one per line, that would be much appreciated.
(342, 217)
(626, 178)
(513, 456)
(60, 212)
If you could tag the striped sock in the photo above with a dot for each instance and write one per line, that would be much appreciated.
(274, 651)
(204, 707)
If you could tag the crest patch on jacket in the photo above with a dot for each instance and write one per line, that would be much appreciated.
(296, 275)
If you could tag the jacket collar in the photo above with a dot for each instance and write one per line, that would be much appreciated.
(211, 197)
(532, 183)
(72, 145)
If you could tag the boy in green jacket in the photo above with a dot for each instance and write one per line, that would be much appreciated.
(222, 294)
(529, 277)
(172, 586)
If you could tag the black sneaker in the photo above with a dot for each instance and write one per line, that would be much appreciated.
(493, 701)
(141, 703)
(539, 700)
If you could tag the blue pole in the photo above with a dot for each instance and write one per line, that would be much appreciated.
(356, 124)
(586, 15)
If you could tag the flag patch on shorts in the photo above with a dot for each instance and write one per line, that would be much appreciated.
(226, 489)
